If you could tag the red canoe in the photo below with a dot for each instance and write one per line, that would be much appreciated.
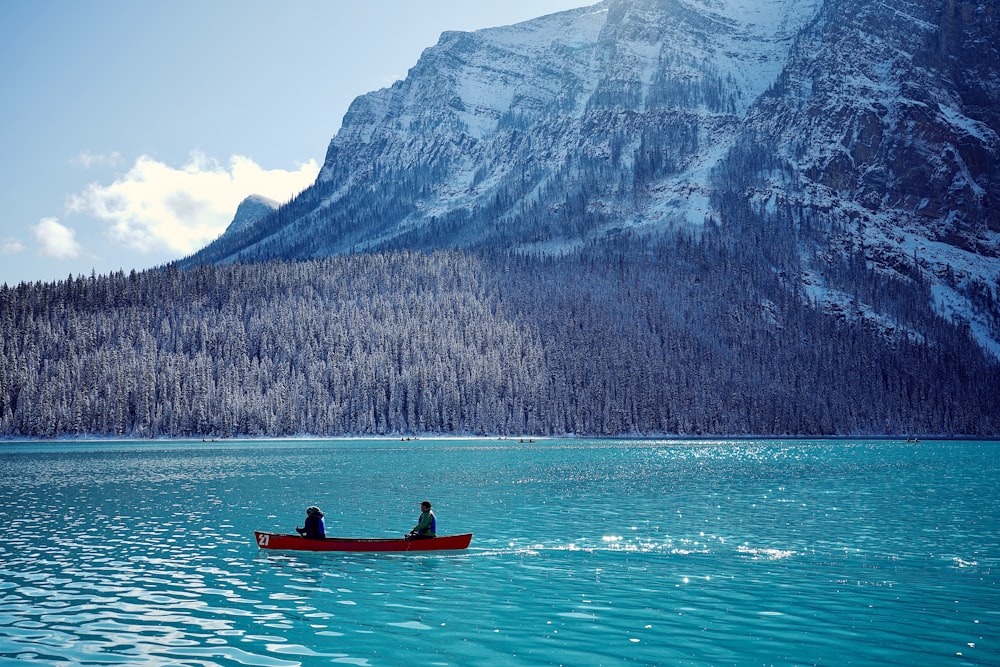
(296, 543)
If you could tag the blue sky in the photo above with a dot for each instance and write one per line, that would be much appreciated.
(130, 131)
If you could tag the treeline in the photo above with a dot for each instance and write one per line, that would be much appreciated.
(631, 338)
(375, 344)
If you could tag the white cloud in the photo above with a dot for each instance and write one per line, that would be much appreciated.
(10, 247)
(88, 160)
(158, 208)
(57, 240)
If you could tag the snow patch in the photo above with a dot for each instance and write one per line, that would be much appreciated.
(849, 309)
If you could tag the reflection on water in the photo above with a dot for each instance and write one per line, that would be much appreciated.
(585, 553)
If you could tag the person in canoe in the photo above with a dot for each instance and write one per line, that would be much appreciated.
(315, 528)
(426, 525)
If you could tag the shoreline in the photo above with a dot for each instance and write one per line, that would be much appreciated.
(525, 440)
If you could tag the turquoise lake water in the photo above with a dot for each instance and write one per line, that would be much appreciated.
(585, 553)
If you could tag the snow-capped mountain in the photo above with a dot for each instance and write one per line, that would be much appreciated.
(856, 133)
(250, 211)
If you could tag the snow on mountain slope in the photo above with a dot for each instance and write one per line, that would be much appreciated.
(873, 127)
(491, 133)
(508, 114)
(889, 136)
(250, 211)
(755, 47)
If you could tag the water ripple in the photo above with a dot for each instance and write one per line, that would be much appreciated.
(771, 553)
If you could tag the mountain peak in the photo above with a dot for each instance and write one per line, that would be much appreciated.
(491, 132)
(250, 211)
(867, 132)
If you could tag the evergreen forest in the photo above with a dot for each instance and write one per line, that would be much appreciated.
(682, 335)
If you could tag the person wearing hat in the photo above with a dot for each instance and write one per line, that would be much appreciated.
(426, 525)
(315, 528)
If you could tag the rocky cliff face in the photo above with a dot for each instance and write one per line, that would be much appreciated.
(868, 133)
(555, 130)
(875, 107)
(883, 131)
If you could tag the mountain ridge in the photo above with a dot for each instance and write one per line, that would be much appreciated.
(875, 127)
(386, 131)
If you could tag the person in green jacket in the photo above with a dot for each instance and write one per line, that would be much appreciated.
(426, 526)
